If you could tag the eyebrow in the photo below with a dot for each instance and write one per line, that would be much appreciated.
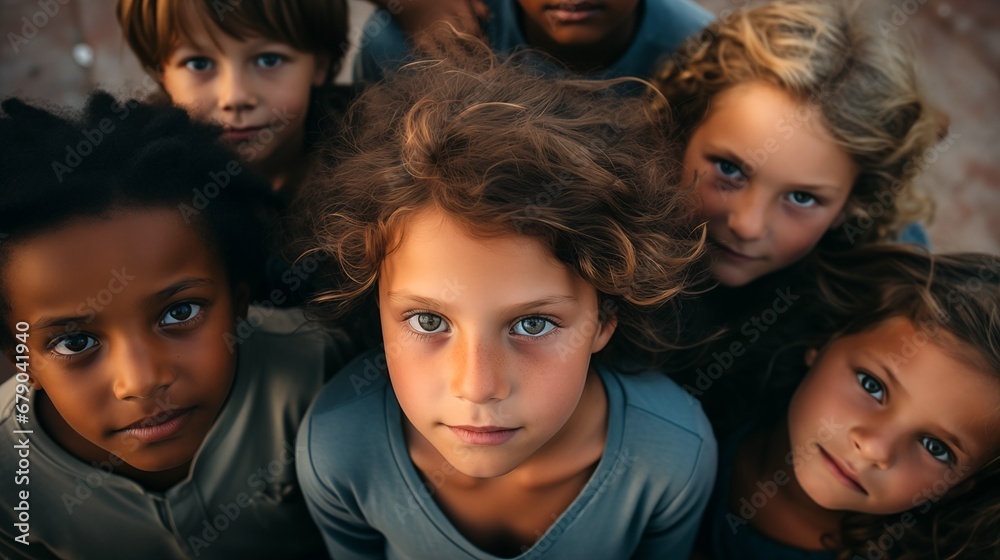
(890, 372)
(517, 308)
(49, 322)
(954, 441)
(178, 287)
(163, 295)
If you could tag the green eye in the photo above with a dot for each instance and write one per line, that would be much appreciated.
(427, 323)
(533, 326)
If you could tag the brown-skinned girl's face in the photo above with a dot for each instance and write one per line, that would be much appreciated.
(127, 317)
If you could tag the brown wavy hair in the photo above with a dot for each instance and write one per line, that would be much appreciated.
(152, 28)
(954, 294)
(826, 55)
(506, 151)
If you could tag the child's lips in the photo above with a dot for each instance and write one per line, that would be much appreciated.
(842, 472)
(573, 12)
(234, 134)
(483, 435)
(733, 254)
(158, 426)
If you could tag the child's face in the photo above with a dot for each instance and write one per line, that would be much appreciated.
(771, 180)
(888, 419)
(488, 341)
(258, 89)
(579, 22)
(127, 320)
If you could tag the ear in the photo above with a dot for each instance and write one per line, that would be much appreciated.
(811, 356)
(605, 329)
(321, 72)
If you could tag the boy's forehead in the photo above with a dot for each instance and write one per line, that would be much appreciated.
(203, 29)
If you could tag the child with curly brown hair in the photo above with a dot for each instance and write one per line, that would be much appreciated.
(879, 437)
(512, 236)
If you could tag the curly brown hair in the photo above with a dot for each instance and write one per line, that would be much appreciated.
(506, 151)
(828, 57)
(954, 294)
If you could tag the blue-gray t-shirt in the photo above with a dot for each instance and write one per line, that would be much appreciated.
(663, 26)
(644, 500)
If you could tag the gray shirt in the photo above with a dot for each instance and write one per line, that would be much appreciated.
(240, 500)
(644, 500)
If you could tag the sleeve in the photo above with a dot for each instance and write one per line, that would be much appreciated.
(671, 531)
(345, 532)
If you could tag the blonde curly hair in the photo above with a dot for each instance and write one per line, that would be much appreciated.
(824, 54)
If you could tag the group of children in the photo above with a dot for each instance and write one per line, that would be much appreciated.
(544, 272)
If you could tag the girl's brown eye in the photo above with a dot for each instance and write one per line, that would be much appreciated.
(180, 313)
(73, 344)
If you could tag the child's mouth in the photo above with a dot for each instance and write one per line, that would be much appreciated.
(845, 477)
(158, 427)
(241, 134)
(573, 12)
(487, 435)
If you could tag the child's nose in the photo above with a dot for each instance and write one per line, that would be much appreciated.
(748, 215)
(139, 371)
(477, 372)
(235, 90)
(874, 445)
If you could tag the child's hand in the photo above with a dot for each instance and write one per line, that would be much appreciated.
(419, 15)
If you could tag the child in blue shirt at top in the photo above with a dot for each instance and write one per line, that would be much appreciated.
(503, 229)
(156, 406)
(598, 38)
(889, 446)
